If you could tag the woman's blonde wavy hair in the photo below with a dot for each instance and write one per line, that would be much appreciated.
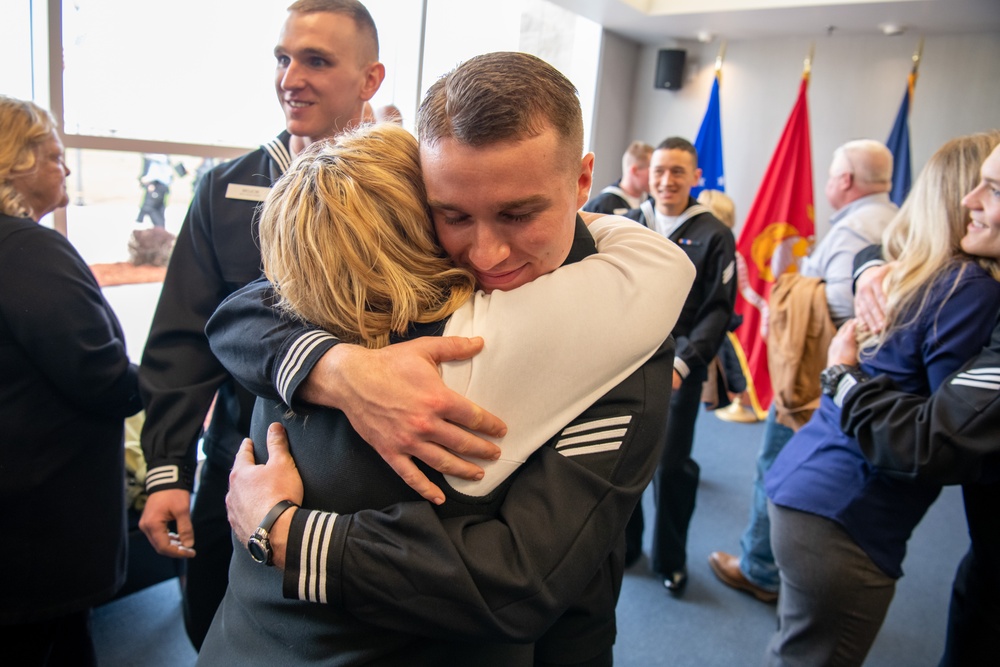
(348, 243)
(924, 239)
(24, 126)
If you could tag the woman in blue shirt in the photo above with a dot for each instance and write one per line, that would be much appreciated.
(839, 528)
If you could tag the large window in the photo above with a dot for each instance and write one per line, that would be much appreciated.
(15, 47)
(193, 79)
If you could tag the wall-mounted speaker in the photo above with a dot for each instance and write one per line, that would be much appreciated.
(670, 68)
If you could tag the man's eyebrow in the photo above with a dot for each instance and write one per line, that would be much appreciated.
(525, 202)
(306, 52)
(434, 203)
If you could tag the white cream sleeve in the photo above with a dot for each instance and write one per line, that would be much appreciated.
(557, 344)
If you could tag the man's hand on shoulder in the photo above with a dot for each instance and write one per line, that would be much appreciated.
(396, 400)
(161, 508)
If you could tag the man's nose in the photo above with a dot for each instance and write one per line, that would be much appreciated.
(488, 249)
(292, 77)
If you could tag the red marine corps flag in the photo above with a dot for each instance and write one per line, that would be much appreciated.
(777, 233)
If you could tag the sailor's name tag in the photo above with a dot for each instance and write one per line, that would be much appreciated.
(246, 192)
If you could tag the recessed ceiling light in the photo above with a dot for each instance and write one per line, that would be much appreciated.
(891, 29)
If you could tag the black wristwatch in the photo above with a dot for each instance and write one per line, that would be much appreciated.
(830, 379)
(259, 544)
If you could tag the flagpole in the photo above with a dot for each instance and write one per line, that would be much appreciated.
(807, 65)
(718, 60)
(918, 54)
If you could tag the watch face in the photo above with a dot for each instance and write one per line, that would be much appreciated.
(829, 378)
(259, 550)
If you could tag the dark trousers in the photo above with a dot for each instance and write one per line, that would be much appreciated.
(64, 641)
(154, 203)
(974, 614)
(208, 572)
(605, 659)
(675, 485)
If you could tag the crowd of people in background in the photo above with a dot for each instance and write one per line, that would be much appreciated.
(387, 507)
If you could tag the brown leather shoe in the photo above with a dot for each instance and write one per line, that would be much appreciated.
(727, 569)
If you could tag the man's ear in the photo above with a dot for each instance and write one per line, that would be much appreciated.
(373, 80)
(585, 180)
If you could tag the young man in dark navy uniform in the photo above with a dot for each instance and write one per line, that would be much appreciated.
(709, 244)
(327, 67)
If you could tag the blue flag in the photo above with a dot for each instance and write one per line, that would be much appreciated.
(899, 144)
(709, 147)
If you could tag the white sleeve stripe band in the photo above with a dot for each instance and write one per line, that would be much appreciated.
(591, 449)
(162, 475)
(316, 540)
(293, 361)
(597, 423)
(592, 437)
(971, 383)
(304, 556)
(728, 273)
(325, 539)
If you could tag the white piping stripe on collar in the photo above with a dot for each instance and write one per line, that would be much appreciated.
(649, 211)
(279, 153)
(690, 212)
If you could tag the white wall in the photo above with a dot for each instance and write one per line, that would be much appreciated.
(856, 87)
(611, 129)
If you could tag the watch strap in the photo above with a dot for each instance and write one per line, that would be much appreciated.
(273, 515)
(259, 544)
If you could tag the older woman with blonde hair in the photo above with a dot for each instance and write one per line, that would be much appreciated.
(349, 247)
(67, 387)
(839, 527)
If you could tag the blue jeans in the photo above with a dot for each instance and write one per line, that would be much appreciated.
(757, 559)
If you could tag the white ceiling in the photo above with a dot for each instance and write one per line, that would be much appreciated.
(654, 21)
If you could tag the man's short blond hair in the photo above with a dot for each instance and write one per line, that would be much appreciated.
(638, 152)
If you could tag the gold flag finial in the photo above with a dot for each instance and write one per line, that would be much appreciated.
(807, 65)
(917, 55)
(719, 58)
(912, 79)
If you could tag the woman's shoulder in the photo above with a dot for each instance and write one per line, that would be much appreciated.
(24, 240)
(964, 295)
(11, 227)
(968, 276)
